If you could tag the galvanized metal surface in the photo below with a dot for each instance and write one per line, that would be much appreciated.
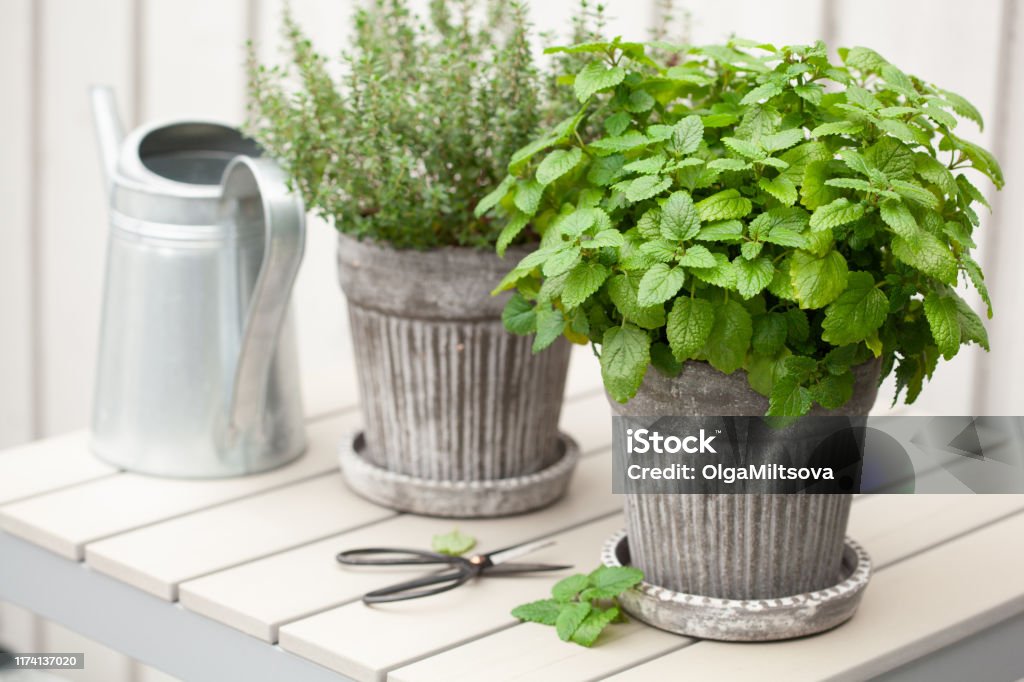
(448, 394)
(457, 499)
(197, 373)
(747, 620)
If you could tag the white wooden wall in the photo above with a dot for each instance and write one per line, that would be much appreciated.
(169, 59)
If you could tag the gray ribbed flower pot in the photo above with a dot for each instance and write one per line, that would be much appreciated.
(732, 546)
(447, 393)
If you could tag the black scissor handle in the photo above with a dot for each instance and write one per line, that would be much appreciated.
(387, 556)
(421, 587)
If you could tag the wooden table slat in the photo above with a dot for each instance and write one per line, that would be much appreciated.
(891, 527)
(66, 520)
(910, 609)
(365, 642)
(260, 596)
(159, 557)
(50, 464)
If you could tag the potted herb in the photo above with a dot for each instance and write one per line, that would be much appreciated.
(460, 419)
(749, 230)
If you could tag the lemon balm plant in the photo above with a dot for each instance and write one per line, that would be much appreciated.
(754, 208)
(771, 232)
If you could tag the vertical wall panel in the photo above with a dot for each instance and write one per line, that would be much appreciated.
(1001, 387)
(83, 43)
(18, 629)
(16, 395)
(193, 58)
(960, 56)
(780, 22)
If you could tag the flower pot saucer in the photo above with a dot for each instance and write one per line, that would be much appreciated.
(457, 499)
(745, 620)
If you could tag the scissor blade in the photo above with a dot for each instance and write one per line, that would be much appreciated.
(525, 568)
(503, 555)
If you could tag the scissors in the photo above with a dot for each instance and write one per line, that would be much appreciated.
(462, 569)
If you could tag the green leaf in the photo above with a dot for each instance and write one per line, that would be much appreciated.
(640, 101)
(839, 212)
(859, 311)
(729, 340)
(511, 230)
(784, 139)
(519, 316)
(687, 135)
(579, 221)
(550, 325)
(663, 360)
(723, 205)
(892, 157)
(944, 321)
(623, 290)
(494, 196)
(752, 276)
(899, 218)
(813, 190)
(925, 252)
(544, 611)
(855, 162)
(833, 391)
(592, 626)
(770, 332)
(971, 326)
(607, 582)
(628, 141)
(762, 92)
(837, 128)
(729, 164)
(744, 148)
(595, 77)
(697, 256)
(570, 618)
(789, 398)
(914, 192)
(780, 187)
(800, 157)
(688, 326)
(647, 166)
(964, 108)
(722, 275)
(625, 354)
(605, 170)
(455, 543)
(643, 187)
(723, 231)
(812, 93)
(560, 261)
(604, 238)
(659, 284)
(817, 280)
(616, 124)
(566, 589)
(558, 163)
(978, 280)
(751, 250)
(679, 218)
(528, 195)
(582, 282)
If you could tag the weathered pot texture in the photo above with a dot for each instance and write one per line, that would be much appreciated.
(447, 392)
(735, 546)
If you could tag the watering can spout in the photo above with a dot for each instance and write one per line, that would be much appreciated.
(109, 132)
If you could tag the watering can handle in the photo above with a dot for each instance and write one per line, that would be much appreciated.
(251, 180)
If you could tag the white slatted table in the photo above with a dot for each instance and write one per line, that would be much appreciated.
(235, 579)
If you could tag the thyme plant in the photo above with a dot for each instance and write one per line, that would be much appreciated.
(754, 207)
(417, 128)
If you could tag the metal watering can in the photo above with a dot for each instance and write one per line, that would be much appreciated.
(197, 373)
